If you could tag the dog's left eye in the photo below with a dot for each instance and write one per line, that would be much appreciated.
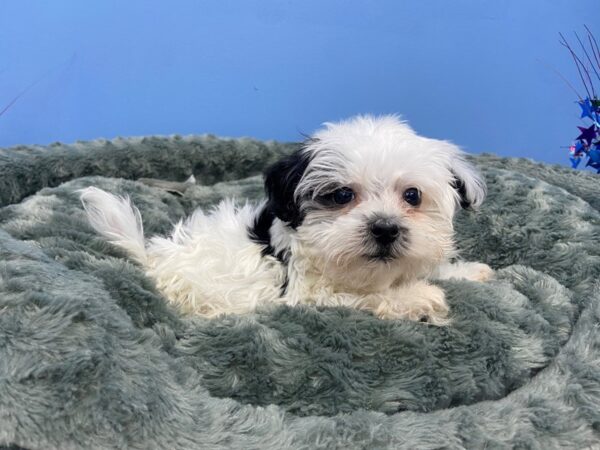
(343, 195)
(412, 196)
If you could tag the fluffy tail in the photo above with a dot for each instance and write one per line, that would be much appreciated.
(116, 219)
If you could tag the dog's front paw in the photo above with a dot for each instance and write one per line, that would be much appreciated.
(420, 302)
(478, 272)
(473, 271)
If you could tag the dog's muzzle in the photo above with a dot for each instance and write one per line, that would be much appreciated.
(387, 238)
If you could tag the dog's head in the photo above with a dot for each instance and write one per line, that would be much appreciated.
(370, 202)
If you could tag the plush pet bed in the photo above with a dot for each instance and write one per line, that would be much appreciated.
(91, 355)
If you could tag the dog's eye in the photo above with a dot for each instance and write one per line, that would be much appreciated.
(343, 195)
(412, 196)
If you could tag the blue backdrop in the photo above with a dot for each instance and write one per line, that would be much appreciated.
(475, 72)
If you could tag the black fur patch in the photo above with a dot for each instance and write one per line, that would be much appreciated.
(259, 232)
(284, 286)
(459, 185)
(281, 180)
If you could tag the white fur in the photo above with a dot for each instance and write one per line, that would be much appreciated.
(209, 265)
(116, 219)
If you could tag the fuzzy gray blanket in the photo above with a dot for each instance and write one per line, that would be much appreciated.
(91, 356)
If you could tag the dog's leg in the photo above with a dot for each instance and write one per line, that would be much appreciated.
(419, 301)
(472, 271)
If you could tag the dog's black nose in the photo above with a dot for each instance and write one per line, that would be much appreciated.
(385, 231)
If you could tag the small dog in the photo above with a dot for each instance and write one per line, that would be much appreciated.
(360, 216)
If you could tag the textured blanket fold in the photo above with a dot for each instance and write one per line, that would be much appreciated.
(91, 355)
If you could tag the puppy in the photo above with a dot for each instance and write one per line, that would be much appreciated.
(360, 216)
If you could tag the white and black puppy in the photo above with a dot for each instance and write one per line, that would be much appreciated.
(361, 216)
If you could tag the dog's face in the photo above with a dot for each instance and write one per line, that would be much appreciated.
(371, 202)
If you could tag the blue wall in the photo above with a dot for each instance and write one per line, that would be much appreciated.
(474, 72)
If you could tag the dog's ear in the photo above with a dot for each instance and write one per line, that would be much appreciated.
(468, 182)
(281, 180)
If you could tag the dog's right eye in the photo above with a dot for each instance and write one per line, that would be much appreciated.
(343, 195)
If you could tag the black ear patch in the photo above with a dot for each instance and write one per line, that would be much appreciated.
(281, 180)
(459, 185)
